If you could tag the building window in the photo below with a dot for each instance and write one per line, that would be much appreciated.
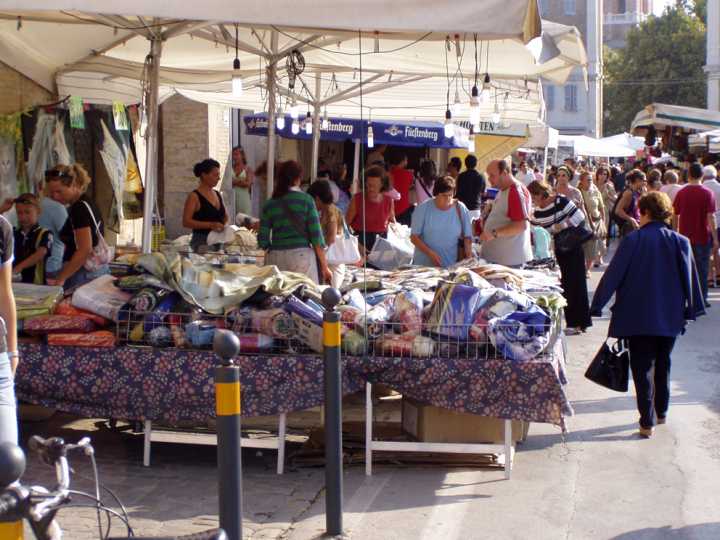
(622, 7)
(543, 7)
(569, 7)
(550, 97)
(571, 98)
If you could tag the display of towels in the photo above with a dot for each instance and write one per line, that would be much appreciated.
(101, 338)
(53, 324)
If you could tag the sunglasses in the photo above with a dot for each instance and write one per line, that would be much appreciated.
(52, 173)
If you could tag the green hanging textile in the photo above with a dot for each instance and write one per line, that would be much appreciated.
(12, 166)
(121, 119)
(77, 112)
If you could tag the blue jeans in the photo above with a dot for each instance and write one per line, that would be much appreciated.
(8, 409)
(702, 261)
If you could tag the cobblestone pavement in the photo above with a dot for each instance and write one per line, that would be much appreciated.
(599, 482)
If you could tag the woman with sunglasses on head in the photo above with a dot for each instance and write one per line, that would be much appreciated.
(83, 229)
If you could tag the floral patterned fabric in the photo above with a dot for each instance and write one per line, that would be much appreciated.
(170, 386)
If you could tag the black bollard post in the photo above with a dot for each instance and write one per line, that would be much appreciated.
(227, 405)
(333, 414)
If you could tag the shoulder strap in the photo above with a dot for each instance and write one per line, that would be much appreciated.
(422, 185)
(459, 215)
(97, 226)
(299, 225)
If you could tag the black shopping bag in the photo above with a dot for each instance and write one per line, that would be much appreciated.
(611, 366)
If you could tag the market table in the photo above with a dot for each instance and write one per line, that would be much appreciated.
(171, 386)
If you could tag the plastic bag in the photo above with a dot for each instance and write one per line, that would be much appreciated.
(393, 251)
(453, 310)
(408, 311)
(405, 345)
(101, 297)
(344, 250)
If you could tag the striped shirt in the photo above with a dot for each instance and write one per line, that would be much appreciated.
(562, 210)
(279, 232)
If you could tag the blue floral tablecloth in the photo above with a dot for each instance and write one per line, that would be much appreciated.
(171, 386)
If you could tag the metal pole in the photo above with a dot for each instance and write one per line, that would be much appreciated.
(151, 162)
(356, 168)
(229, 450)
(271, 71)
(316, 130)
(333, 412)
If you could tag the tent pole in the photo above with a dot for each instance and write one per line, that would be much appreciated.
(151, 162)
(316, 131)
(271, 71)
(356, 168)
(545, 159)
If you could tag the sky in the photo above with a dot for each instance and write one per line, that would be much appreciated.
(659, 5)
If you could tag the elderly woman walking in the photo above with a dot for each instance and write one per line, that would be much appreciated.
(595, 208)
(656, 288)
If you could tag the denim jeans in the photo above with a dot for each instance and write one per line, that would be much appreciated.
(650, 365)
(8, 409)
(702, 261)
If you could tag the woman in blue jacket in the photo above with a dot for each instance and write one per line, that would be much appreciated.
(657, 290)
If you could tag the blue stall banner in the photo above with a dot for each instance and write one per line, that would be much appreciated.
(397, 133)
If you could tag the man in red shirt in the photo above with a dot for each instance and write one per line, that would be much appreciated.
(402, 180)
(695, 218)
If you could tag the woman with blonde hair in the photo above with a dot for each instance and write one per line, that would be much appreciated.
(82, 231)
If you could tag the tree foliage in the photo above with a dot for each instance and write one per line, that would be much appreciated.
(661, 63)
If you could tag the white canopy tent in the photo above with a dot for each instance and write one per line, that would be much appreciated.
(587, 146)
(394, 70)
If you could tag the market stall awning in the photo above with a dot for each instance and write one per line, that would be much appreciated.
(625, 139)
(517, 19)
(397, 133)
(542, 136)
(101, 58)
(690, 118)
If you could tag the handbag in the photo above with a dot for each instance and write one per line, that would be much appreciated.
(571, 238)
(101, 254)
(611, 366)
(345, 249)
(461, 240)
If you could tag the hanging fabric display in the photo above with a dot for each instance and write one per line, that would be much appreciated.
(119, 116)
(114, 158)
(49, 145)
(77, 112)
(12, 179)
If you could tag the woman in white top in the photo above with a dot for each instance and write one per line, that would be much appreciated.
(425, 181)
(242, 181)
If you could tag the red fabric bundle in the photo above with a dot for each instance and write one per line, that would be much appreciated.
(66, 308)
(101, 338)
(53, 324)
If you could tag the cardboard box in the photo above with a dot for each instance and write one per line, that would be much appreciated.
(427, 423)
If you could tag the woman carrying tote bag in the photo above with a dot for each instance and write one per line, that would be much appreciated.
(657, 290)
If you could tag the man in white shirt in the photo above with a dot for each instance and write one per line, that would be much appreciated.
(525, 174)
(710, 181)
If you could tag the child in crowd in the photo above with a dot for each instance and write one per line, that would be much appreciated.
(32, 242)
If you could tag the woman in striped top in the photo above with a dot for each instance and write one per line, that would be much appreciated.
(290, 228)
(555, 212)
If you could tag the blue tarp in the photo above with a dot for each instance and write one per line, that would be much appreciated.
(397, 133)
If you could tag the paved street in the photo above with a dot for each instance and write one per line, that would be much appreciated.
(602, 482)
